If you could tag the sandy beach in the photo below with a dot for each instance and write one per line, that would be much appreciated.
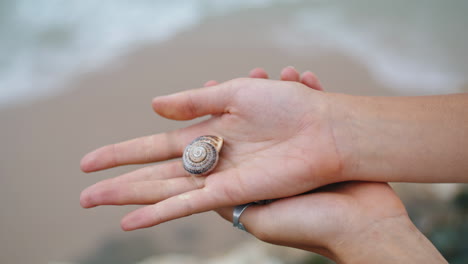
(43, 142)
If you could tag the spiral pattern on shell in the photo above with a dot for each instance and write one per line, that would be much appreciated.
(202, 154)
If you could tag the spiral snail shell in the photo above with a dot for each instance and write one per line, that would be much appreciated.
(202, 154)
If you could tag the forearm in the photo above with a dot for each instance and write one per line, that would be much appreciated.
(411, 139)
(394, 240)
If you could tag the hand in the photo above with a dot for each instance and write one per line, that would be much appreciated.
(351, 222)
(341, 219)
(337, 221)
(278, 143)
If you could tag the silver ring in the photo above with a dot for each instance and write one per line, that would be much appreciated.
(236, 214)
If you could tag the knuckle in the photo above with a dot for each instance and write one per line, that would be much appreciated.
(135, 192)
(155, 214)
(190, 107)
(261, 229)
(231, 194)
(175, 169)
(238, 82)
(196, 182)
(148, 147)
(114, 154)
(188, 208)
(148, 172)
(240, 79)
(177, 140)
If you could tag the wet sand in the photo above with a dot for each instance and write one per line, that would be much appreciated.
(43, 142)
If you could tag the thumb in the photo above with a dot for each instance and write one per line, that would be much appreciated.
(194, 103)
(255, 219)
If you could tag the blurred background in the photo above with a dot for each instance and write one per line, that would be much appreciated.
(76, 75)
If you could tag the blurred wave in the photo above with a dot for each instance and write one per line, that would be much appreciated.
(44, 42)
(416, 45)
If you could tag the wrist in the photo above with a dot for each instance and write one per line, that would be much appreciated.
(342, 116)
(391, 240)
(410, 139)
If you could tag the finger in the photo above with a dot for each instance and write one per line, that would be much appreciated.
(247, 216)
(227, 213)
(168, 170)
(258, 73)
(254, 218)
(210, 83)
(147, 149)
(290, 74)
(215, 194)
(310, 79)
(194, 103)
(163, 171)
(141, 192)
(182, 205)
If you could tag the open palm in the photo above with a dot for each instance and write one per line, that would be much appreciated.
(278, 143)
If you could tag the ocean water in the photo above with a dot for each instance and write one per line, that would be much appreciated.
(414, 47)
(417, 46)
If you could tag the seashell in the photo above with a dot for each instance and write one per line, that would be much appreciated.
(202, 154)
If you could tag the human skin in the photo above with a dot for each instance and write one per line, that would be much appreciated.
(158, 182)
(350, 222)
(261, 149)
(282, 139)
(402, 139)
